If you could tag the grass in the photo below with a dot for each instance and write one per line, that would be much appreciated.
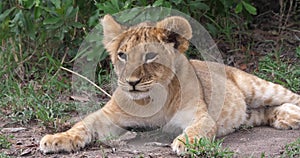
(298, 52)
(30, 101)
(32, 92)
(37, 90)
(213, 148)
(4, 142)
(281, 72)
(2, 155)
(292, 149)
(204, 147)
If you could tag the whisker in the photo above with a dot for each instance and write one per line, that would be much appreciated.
(146, 83)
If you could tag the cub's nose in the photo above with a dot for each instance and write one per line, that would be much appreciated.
(133, 82)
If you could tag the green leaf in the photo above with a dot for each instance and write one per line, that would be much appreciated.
(107, 8)
(130, 14)
(1, 7)
(77, 25)
(29, 4)
(6, 13)
(50, 21)
(93, 20)
(115, 4)
(37, 12)
(212, 29)
(97, 54)
(48, 10)
(158, 3)
(37, 3)
(250, 8)
(55, 26)
(239, 8)
(177, 1)
(199, 5)
(298, 51)
(226, 3)
(69, 11)
(57, 3)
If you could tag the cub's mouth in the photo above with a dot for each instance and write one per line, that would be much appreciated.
(135, 91)
(138, 94)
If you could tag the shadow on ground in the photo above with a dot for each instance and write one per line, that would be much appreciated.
(245, 143)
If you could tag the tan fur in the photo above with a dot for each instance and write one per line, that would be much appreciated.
(204, 99)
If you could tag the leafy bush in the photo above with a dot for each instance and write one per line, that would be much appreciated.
(33, 29)
(208, 12)
(39, 36)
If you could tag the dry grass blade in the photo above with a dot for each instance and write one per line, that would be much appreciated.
(85, 78)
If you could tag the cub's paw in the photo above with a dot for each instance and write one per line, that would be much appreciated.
(60, 142)
(287, 116)
(179, 144)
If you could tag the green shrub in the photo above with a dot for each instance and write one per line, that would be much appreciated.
(39, 36)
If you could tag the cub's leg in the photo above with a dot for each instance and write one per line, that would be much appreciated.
(202, 125)
(286, 116)
(97, 125)
(267, 103)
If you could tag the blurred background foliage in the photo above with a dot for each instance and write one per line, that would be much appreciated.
(39, 27)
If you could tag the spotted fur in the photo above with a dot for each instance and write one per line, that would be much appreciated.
(204, 99)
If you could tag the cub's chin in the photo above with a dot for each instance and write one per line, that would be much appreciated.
(137, 95)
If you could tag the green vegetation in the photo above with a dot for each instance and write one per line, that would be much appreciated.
(2, 155)
(280, 71)
(204, 147)
(39, 36)
(34, 100)
(24, 99)
(4, 142)
(292, 149)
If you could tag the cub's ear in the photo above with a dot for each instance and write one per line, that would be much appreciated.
(111, 29)
(177, 25)
(180, 31)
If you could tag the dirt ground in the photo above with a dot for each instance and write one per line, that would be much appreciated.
(245, 143)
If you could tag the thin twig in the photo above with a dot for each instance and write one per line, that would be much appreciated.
(62, 61)
(293, 30)
(76, 20)
(288, 13)
(85, 78)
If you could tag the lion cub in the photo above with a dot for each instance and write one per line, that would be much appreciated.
(159, 87)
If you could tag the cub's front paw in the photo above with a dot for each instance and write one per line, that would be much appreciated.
(179, 144)
(60, 142)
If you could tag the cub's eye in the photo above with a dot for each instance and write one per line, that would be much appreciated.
(122, 56)
(151, 56)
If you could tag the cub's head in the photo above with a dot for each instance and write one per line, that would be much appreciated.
(145, 54)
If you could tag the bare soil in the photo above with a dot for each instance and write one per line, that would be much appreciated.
(251, 142)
